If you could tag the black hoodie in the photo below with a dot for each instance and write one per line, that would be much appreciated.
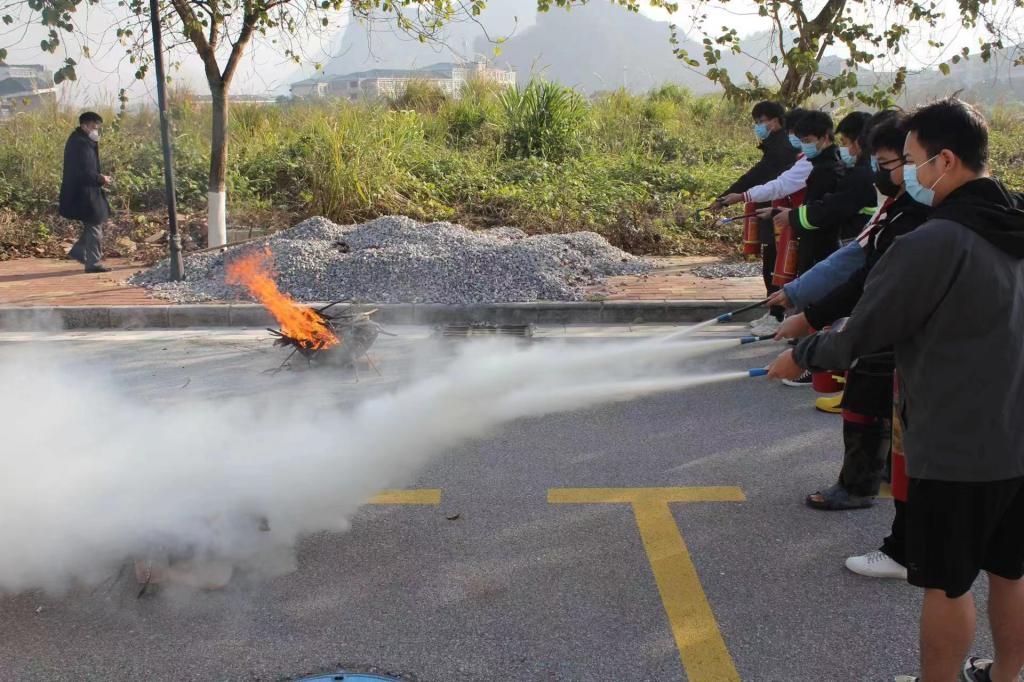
(949, 297)
(988, 208)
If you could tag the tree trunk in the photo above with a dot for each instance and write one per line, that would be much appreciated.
(217, 222)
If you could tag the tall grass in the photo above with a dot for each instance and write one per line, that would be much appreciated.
(542, 158)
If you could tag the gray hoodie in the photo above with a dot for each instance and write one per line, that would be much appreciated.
(950, 298)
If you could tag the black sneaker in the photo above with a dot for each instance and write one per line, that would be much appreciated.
(99, 267)
(802, 380)
(976, 669)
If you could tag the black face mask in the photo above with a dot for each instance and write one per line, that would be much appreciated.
(884, 183)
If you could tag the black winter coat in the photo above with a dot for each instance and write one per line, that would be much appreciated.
(81, 190)
(845, 209)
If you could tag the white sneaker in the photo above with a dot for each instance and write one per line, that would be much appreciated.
(761, 320)
(876, 564)
(766, 326)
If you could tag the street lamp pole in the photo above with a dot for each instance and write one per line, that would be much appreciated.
(173, 236)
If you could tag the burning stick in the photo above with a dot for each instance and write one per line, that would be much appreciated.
(310, 332)
(305, 328)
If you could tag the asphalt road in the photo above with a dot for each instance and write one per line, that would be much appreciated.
(508, 578)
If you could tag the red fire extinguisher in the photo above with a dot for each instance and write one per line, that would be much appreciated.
(786, 255)
(751, 238)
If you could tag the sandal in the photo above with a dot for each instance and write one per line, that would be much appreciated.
(837, 498)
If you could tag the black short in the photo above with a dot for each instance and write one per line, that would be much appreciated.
(955, 530)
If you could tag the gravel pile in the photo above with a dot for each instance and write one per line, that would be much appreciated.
(398, 260)
(727, 270)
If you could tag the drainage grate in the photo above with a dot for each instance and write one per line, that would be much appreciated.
(342, 676)
(485, 329)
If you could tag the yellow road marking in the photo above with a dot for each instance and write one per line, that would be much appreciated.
(414, 496)
(701, 647)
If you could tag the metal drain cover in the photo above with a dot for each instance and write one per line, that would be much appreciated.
(485, 329)
(349, 677)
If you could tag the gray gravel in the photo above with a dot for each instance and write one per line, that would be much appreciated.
(398, 260)
(728, 270)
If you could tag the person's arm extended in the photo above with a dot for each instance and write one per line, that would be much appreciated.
(825, 276)
(900, 294)
(838, 303)
(792, 180)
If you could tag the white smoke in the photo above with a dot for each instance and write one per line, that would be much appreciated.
(89, 478)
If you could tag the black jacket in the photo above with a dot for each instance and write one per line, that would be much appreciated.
(826, 171)
(777, 154)
(949, 298)
(843, 210)
(81, 190)
(903, 215)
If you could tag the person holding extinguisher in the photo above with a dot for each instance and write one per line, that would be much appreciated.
(777, 154)
(867, 399)
(784, 191)
(837, 214)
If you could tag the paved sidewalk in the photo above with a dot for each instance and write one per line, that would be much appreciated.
(49, 282)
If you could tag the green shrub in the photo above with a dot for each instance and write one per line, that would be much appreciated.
(545, 120)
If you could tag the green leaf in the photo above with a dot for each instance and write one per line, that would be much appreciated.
(944, 68)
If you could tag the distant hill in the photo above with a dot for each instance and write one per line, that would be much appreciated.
(598, 46)
(601, 46)
(362, 47)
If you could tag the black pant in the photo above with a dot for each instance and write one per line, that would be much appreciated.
(865, 450)
(895, 545)
(815, 246)
(768, 256)
(88, 249)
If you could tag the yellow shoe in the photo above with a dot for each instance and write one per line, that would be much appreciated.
(829, 403)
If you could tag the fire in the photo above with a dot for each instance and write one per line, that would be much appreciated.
(255, 271)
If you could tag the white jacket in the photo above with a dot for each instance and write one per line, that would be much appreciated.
(793, 180)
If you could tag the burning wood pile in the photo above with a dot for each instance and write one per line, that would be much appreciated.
(309, 332)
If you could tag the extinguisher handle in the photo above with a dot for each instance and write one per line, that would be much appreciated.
(744, 340)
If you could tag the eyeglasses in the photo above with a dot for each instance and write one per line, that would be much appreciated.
(893, 164)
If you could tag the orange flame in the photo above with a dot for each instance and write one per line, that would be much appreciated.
(255, 271)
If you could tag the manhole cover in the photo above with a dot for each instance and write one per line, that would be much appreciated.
(349, 677)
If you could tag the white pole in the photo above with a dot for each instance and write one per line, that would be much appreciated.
(217, 228)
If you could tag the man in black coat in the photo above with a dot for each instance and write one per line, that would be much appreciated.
(82, 196)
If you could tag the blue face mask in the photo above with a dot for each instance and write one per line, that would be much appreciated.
(849, 160)
(874, 164)
(794, 141)
(761, 130)
(918, 192)
(810, 149)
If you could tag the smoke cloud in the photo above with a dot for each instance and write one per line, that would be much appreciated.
(90, 478)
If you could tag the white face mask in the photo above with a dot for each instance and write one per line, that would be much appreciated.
(94, 135)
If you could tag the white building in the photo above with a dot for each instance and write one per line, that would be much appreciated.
(377, 83)
(24, 87)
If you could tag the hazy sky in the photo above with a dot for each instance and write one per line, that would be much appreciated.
(101, 77)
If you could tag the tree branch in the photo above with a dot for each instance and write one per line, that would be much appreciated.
(249, 19)
(191, 28)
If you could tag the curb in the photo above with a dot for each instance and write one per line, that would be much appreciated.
(54, 318)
